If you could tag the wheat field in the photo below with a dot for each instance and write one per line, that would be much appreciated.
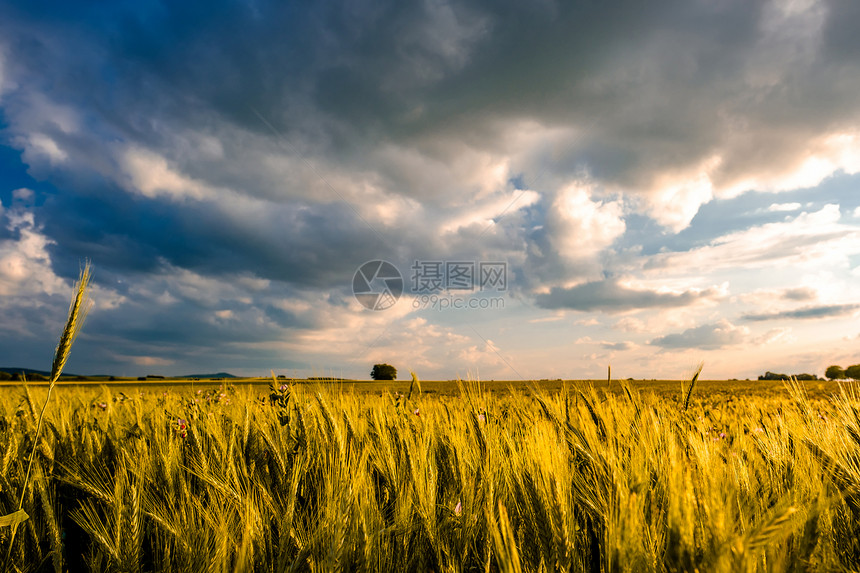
(314, 479)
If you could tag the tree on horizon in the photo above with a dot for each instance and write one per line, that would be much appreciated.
(383, 372)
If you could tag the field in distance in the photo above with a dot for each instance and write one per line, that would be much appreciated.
(660, 388)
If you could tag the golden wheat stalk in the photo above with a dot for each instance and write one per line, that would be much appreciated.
(415, 382)
(688, 393)
(78, 310)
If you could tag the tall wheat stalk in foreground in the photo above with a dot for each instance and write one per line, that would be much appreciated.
(78, 309)
(688, 392)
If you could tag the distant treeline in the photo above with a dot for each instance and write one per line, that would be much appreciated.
(18, 376)
(837, 372)
(775, 376)
(833, 373)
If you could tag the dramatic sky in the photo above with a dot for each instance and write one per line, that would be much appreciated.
(667, 182)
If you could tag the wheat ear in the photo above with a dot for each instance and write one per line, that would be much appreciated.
(78, 310)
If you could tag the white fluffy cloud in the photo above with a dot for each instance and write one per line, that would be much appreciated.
(25, 265)
(706, 337)
(580, 226)
(778, 207)
(815, 239)
(150, 175)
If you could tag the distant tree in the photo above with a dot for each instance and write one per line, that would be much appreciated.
(805, 376)
(774, 376)
(5, 375)
(853, 372)
(383, 372)
(834, 372)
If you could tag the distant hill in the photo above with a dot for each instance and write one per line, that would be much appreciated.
(28, 371)
(13, 370)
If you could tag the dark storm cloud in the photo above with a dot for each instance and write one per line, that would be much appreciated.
(350, 75)
(810, 312)
(640, 84)
(307, 245)
(840, 34)
(799, 293)
(616, 345)
(182, 325)
(181, 318)
(610, 296)
(30, 334)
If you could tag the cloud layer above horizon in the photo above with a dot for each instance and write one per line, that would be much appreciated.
(667, 182)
